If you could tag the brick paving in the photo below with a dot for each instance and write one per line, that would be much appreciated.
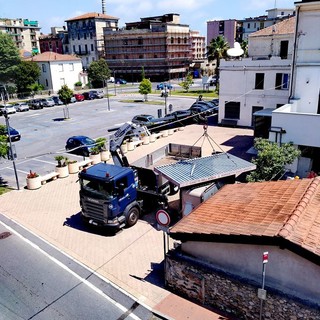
(133, 258)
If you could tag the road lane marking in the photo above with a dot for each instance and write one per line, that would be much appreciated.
(63, 266)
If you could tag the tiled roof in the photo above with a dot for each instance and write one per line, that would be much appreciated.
(53, 56)
(284, 27)
(288, 209)
(94, 15)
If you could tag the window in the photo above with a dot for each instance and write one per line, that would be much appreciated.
(92, 47)
(44, 69)
(62, 81)
(85, 36)
(71, 66)
(259, 84)
(79, 48)
(60, 67)
(284, 49)
(172, 40)
(86, 48)
(282, 81)
(140, 41)
(232, 110)
(125, 42)
(78, 36)
(74, 48)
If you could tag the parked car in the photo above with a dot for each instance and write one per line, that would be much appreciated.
(143, 119)
(73, 100)
(14, 134)
(120, 81)
(88, 95)
(21, 106)
(80, 145)
(162, 86)
(35, 104)
(98, 94)
(79, 96)
(47, 102)
(8, 109)
(57, 100)
(185, 117)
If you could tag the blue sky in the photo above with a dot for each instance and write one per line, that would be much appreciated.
(195, 13)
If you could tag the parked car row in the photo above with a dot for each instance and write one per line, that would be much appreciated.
(197, 113)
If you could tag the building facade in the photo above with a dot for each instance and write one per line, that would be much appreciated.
(229, 29)
(58, 70)
(298, 121)
(54, 41)
(251, 25)
(24, 32)
(85, 35)
(261, 81)
(161, 45)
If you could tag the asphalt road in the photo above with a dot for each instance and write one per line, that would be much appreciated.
(39, 282)
(44, 132)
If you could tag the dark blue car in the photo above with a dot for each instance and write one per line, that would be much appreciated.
(80, 145)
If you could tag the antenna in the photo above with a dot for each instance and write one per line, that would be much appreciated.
(103, 6)
(236, 51)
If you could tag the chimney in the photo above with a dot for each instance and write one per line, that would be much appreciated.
(103, 6)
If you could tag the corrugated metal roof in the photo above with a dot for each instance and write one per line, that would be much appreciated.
(193, 171)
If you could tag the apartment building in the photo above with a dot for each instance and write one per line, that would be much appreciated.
(24, 32)
(53, 42)
(160, 44)
(85, 35)
(229, 29)
(273, 16)
(259, 83)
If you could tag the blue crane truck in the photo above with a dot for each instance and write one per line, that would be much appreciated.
(116, 195)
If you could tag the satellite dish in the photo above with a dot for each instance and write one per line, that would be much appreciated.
(236, 51)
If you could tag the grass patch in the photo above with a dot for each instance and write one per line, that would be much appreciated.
(195, 93)
(4, 190)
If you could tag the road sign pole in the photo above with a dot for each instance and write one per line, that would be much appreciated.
(262, 294)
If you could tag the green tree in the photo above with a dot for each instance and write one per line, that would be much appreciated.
(186, 84)
(98, 72)
(65, 95)
(4, 148)
(9, 57)
(217, 50)
(244, 47)
(26, 75)
(145, 87)
(271, 160)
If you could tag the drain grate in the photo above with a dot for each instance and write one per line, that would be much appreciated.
(4, 235)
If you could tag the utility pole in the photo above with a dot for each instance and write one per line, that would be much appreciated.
(262, 293)
(11, 153)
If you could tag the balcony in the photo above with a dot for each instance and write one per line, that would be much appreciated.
(81, 53)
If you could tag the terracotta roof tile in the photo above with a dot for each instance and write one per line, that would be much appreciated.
(95, 15)
(289, 209)
(283, 27)
(53, 56)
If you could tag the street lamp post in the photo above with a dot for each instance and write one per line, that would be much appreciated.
(114, 82)
(9, 137)
(165, 99)
(108, 95)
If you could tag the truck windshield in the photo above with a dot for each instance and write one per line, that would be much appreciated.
(102, 188)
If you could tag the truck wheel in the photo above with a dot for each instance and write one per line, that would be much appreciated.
(132, 217)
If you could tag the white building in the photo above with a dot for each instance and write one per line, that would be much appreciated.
(253, 24)
(58, 70)
(299, 120)
(260, 81)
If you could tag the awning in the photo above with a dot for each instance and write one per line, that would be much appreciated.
(264, 112)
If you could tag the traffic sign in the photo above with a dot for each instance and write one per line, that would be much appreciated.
(163, 218)
(265, 257)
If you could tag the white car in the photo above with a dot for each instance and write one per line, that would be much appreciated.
(21, 107)
(8, 109)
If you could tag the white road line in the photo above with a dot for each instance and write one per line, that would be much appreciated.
(84, 281)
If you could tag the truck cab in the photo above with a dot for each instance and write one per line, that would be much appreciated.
(108, 195)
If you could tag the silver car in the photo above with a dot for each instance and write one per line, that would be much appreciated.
(8, 109)
(21, 106)
(48, 102)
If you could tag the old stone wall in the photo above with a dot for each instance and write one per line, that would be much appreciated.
(237, 297)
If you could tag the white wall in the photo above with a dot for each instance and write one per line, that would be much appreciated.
(285, 270)
(237, 83)
(70, 76)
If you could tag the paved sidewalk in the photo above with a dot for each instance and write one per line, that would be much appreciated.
(133, 258)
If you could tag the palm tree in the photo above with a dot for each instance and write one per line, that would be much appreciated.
(217, 49)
